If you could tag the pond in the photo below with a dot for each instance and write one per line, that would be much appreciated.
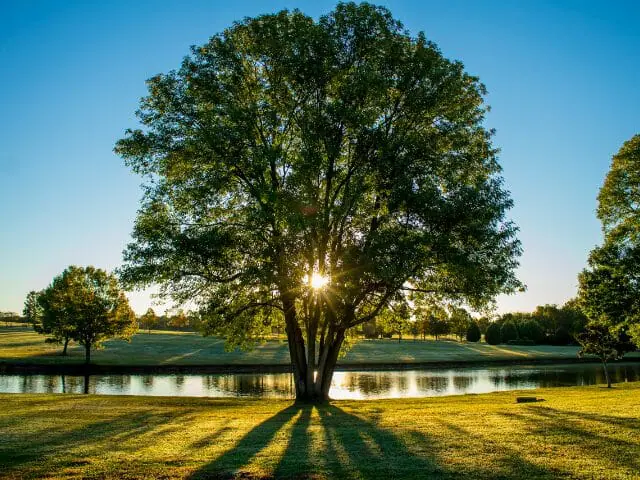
(345, 385)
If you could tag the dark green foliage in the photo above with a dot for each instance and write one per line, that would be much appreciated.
(483, 323)
(598, 340)
(568, 318)
(473, 332)
(508, 331)
(561, 337)
(531, 330)
(459, 320)
(48, 316)
(370, 330)
(288, 146)
(609, 288)
(492, 336)
(149, 320)
(437, 326)
(32, 311)
(394, 320)
(85, 305)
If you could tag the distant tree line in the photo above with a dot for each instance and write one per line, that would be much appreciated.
(178, 321)
(12, 317)
(547, 324)
(435, 321)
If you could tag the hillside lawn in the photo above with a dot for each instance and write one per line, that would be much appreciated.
(22, 345)
(576, 432)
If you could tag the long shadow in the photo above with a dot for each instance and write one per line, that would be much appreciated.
(30, 446)
(624, 422)
(506, 464)
(363, 450)
(231, 462)
(326, 442)
(297, 457)
(563, 425)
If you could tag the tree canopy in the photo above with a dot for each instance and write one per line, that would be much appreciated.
(287, 149)
(609, 287)
(84, 304)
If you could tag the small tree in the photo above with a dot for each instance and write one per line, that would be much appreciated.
(483, 324)
(91, 305)
(395, 320)
(473, 332)
(149, 320)
(179, 321)
(508, 331)
(492, 335)
(436, 321)
(459, 320)
(46, 312)
(599, 341)
(530, 329)
(414, 328)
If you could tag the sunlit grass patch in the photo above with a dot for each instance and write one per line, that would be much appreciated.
(577, 432)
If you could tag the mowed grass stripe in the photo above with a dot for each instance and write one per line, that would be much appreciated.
(171, 348)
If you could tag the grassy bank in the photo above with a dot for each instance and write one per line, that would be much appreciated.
(175, 348)
(582, 432)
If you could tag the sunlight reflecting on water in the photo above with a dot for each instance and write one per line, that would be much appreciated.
(345, 385)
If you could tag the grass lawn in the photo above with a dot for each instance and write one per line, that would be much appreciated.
(577, 432)
(175, 348)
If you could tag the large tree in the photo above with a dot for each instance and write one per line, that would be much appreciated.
(316, 171)
(88, 305)
(610, 286)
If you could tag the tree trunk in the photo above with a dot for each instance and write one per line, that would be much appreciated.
(66, 342)
(87, 353)
(296, 347)
(323, 382)
(606, 373)
(316, 390)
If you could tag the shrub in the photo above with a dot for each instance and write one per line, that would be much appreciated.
(508, 331)
(492, 336)
(561, 337)
(531, 330)
(473, 332)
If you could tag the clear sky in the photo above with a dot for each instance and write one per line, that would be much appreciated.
(563, 80)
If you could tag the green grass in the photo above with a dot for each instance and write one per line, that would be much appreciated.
(175, 348)
(577, 432)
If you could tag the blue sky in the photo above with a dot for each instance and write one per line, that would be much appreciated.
(562, 77)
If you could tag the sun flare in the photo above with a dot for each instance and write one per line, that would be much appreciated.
(318, 281)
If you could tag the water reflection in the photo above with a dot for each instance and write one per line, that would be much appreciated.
(346, 385)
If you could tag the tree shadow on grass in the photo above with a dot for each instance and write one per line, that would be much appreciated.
(603, 442)
(230, 463)
(325, 441)
(65, 446)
